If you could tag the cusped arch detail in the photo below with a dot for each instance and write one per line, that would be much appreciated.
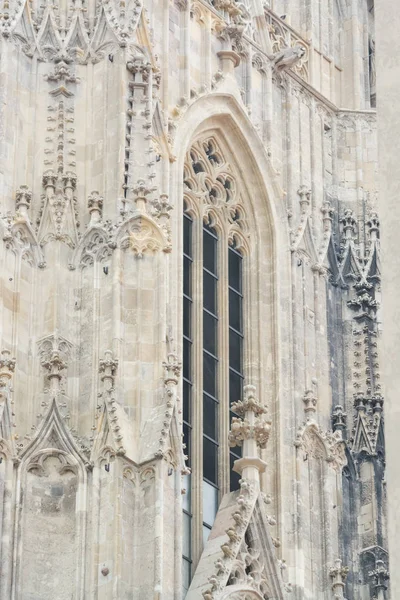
(142, 235)
(51, 496)
(240, 592)
(219, 116)
(320, 444)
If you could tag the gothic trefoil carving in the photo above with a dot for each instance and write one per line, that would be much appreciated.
(211, 189)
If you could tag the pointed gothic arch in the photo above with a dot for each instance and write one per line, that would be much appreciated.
(257, 194)
(52, 494)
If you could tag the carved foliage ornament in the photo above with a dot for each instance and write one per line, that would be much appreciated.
(71, 33)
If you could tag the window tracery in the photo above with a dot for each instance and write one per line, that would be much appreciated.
(215, 242)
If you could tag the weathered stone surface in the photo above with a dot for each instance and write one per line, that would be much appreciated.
(256, 119)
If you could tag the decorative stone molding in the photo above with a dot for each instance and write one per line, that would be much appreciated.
(147, 231)
(338, 574)
(54, 352)
(230, 548)
(23, 199)
(380, 577)
(172, 369)
(95, 206)
(76, 39)
(108, 368)
(251, 431)
(7, 367)
(339, 418)
(20, 238)
(310, 403)
(320, 444)
(54, 365)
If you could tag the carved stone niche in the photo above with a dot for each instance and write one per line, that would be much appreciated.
(48, 526)
(51, 518)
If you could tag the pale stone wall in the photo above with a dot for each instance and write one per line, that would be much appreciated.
(100, 107)
(388, 84)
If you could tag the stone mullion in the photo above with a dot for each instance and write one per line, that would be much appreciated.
(306, 342)
(117, 271)
(296, 419)
(327, 502)
(185, 28)
(6, 530)
(95, 532)
(206, 37)
(95, 336)
(251, 343)
(321, 346)
(223, 365)
(197, 393)
(16, 304)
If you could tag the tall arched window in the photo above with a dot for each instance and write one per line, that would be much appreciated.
(214, 242)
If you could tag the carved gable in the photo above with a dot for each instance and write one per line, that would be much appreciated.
(239, 556)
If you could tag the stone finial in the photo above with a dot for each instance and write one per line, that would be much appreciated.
(373, 226)
(141, 191)
(349, 225)
(23, 198)
(380, 577)
(7, 367)
(95, 205)
(54, 365)
(327, 213)
(251, 431)
(69, 181)
(339, 418)
(49, 181)
(338, 574)
(108, 367)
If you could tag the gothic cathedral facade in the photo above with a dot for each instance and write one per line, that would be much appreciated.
(190, 395)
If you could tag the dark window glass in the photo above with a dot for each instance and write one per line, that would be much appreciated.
(235, 270)
(187, 279)
(209, 374)
(209, 252)
(235, 351)
(234, 476)
(186, 358)
(187, 236)
(187, 389)
(187, 306)
(235, 310)
(187, 441)
(210, 292)
(210, 333)
(210, 453)
(235, 387)
(210, 416)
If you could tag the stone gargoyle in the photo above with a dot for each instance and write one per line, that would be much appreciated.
(288, 57)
